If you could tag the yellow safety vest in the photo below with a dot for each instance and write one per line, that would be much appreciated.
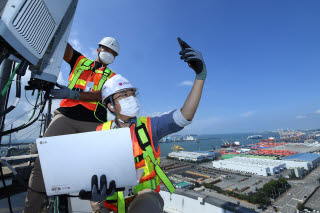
(146, 157)
(79, 78)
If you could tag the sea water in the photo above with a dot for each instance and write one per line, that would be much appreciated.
(210, 142)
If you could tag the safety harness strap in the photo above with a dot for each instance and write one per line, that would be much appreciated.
(145, 144)
(121, 203)
(138, 158)
(86, 65)
(106, 73)
(150, 184)
(142, 135)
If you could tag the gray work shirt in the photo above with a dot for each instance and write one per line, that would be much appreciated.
(164, 125)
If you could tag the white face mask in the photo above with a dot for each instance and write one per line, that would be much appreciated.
(129, 106)
(106, 57)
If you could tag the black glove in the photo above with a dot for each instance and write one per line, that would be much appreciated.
(194, 59)
(95, 194)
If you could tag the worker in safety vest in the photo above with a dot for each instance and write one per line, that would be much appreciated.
(80, 110)
(120, 97)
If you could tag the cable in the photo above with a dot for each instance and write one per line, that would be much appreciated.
(9, 81)
(5, 107)
(25, 95)
(17, 99)
(20, 70)
(25, 125)
(18, 117)
(6, 79)
(30, 131)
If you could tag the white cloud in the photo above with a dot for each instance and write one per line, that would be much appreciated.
(247, 114)
(93, 53)
(186, 83)
(61, 80)
(300, 116)
(317, 112)
(75, 43)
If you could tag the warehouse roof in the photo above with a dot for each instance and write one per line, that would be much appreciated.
(182, 184)
(303, 157)
(191, 154)
(204, 152)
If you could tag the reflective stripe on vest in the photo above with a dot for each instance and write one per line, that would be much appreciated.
(85, 64)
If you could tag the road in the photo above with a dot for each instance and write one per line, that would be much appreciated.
(299, 191)
(230, 199)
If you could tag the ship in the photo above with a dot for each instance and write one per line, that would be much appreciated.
(178, 138)
(270, 139)
(236, 143)
(226, 144)
(189, 138)
(254, 137)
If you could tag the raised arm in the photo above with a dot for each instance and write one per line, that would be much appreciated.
(191, 104)
(68, 53)
(195, 61)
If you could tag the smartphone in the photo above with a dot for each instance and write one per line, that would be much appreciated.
(192, 64)
(183, 44)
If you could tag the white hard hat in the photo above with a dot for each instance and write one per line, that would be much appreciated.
(110, 43)
(115, 84)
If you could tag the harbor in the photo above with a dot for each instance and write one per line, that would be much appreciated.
(192, 168)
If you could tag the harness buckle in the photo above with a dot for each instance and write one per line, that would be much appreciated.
(143, 144)
(78, 89)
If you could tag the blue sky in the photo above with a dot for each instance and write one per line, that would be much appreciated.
(262, 58)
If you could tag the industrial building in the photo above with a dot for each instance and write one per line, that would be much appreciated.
(313, 159)
(298, 172)
(263, 167)
(193, 156)
(255, 166)
(290, 164)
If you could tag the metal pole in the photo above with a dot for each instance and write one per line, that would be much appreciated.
(48, 116)
(10, 136)
(42, 125)
(5, 72)
(40, 133)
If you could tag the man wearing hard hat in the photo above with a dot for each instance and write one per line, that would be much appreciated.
(119, 96)
(80, 110)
